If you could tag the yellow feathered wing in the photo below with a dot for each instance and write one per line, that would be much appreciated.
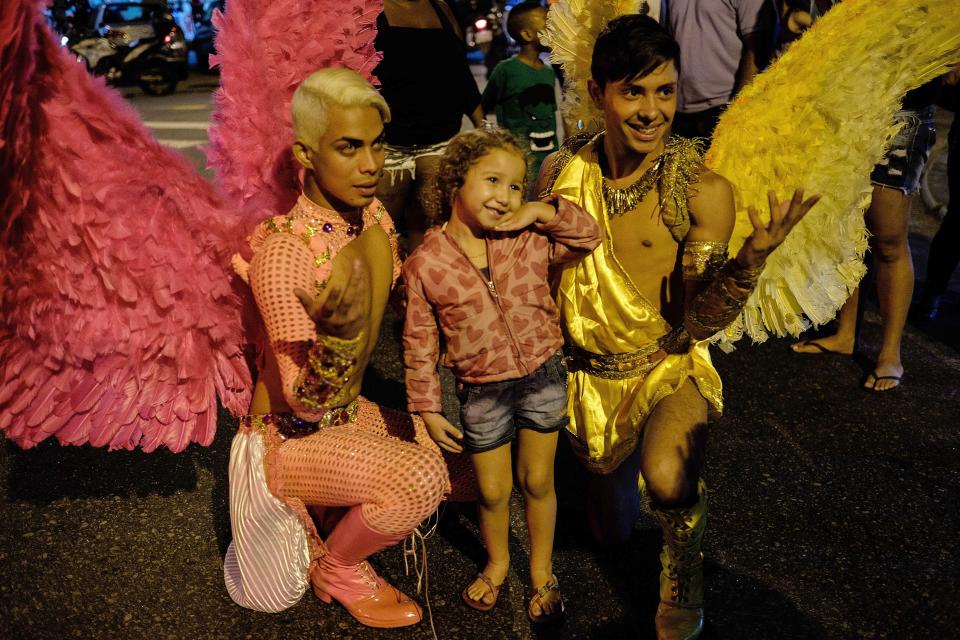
(820, 118)
(573, 27)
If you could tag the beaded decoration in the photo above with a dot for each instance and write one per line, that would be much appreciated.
(309, 222)
(703, 260)
(331, 363)
(623, 200)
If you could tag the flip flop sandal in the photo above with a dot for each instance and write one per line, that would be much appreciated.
(480, 605)
(873, 388)
(820, 349)
(547, 593)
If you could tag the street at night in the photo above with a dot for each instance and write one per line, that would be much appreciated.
(834, 510)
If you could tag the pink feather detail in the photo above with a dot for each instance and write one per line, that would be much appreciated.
(266, 48)
(120, 324)
(115, 254)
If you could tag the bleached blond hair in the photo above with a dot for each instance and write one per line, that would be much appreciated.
(327, 89)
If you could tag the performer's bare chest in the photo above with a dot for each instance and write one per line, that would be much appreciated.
(647, 252)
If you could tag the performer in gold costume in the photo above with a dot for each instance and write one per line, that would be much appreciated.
(637, 311)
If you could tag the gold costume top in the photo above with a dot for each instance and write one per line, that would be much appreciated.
(604, 315)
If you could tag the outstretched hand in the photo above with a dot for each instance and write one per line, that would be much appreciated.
(343, 307)
(784, 216)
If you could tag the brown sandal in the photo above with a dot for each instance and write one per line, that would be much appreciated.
(550, 592)
(480, 605)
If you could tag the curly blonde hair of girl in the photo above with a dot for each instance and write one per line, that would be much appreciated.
(463, 151)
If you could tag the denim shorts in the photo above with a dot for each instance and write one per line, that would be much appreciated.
(903, 163)
(491, 413)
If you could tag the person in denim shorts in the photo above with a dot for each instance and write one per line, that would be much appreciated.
(896, 180)
(491, 413)
(478, 300)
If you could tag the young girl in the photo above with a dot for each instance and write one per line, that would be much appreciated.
(480, 281)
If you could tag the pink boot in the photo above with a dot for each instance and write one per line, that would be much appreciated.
(345, 575)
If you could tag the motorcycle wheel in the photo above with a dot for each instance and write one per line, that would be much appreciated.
(157, 83)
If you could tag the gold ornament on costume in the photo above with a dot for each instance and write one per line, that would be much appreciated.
(623, 200)
(674, 174)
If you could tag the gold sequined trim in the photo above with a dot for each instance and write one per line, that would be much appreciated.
(289, 426)
(623, 200)
(331, 362)
(569, 148)
(614, 366)
(703, 260)
(322, 258)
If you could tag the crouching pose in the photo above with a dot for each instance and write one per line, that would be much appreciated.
(636, 314)
(321, 275)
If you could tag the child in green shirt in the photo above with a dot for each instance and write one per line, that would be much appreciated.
(520, 90)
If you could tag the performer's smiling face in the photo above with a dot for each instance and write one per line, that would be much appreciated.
(346, 160)
(638, 112)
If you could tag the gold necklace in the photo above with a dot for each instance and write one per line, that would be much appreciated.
(621, 200)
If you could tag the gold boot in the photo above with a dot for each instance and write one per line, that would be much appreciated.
(680, 614)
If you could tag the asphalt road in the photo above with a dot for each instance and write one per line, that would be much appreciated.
(834, 512)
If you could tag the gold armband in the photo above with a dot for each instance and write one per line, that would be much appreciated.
(703, 260)
(330, 364)
(722, 300)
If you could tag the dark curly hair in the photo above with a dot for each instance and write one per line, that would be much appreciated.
(631, 46)
(463, 151)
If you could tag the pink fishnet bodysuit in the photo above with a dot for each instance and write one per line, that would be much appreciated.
(385, 460)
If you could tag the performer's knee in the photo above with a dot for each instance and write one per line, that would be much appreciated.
(670, 483)
(417, 487)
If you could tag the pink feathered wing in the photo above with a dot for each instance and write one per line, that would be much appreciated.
(266, 48)
(119, 326)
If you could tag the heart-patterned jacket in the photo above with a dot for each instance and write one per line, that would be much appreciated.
(494, 330)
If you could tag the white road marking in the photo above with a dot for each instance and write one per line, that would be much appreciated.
(180, 144)
(172, 124)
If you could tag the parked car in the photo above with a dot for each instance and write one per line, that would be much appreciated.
(134, 43)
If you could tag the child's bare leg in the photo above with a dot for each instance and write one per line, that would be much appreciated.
(495, 479)
(535, 457)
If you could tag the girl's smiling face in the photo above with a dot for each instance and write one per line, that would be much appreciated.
(492, 187)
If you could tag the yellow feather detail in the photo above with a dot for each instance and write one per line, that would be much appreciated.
(820, 118)
(572, 29)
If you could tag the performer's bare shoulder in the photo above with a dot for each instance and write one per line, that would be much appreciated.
(712, 209)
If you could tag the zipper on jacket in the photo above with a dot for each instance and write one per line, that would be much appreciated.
(492, 284)
(492, 288)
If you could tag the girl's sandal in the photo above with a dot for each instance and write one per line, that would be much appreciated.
(480, 605)
(548, 593)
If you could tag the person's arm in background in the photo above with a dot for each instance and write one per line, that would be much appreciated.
(753, 23)
(472, 108)
(491, 93)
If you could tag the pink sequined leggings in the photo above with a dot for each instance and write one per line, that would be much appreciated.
(384, 461)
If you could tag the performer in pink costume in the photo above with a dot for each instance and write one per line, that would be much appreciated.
(317, 442)
(120, 326)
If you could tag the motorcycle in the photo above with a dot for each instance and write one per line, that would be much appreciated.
(134, 43)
